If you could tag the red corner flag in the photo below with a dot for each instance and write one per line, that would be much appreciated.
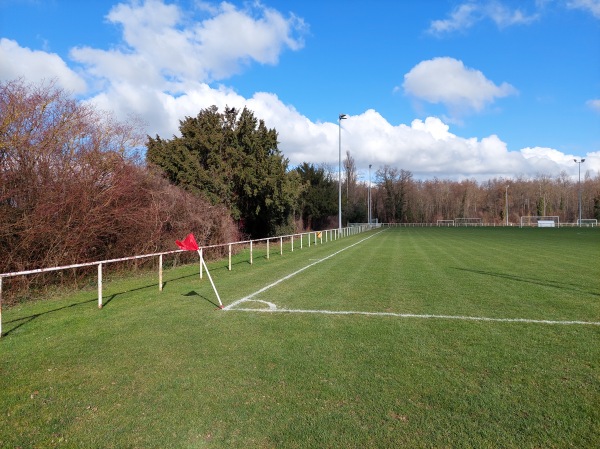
(188, 244)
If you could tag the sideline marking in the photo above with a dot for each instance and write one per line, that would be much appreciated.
(285, 278)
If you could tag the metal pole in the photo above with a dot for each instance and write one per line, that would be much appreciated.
(340, 118)
(579, 187)
(369, 196)
(579, 162)
(506, 201)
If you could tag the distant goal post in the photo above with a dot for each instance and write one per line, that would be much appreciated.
(591, 222)
(468, 221)
(539, 221)
(447, 223)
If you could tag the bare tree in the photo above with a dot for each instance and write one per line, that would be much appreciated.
(72, 189)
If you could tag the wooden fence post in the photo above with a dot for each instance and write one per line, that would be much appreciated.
(99, 285)
(0, 306)
(160, 273)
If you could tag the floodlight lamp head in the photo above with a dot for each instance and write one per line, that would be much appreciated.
(582, 160)
(342, 116)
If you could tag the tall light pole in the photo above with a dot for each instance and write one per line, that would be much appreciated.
(369, 197)
(340, 118)
(506, 201)
(579, 162)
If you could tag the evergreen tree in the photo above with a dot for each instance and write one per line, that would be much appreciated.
(232, 158)
(319, 197)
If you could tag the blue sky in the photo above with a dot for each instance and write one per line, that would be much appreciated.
(443, 88)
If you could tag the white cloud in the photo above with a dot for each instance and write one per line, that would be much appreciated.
(162, 74)
(447, 81)
(593, 6)
(35, 66)
(425, 147)
(471, 12)
(466, 15)
(163, 48)
(261, 39)
(546, 160)
(463, 17)
(549, 154)
(594, 105)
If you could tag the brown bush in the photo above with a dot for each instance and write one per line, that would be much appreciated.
(72, 190)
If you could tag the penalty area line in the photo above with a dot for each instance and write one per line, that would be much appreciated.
(273, 309)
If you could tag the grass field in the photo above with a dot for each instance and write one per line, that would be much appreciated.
(458, 337)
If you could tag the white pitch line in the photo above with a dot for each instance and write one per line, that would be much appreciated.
(272, 308)
(411, 315)
(285, 278)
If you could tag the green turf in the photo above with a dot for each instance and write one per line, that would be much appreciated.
(169, 370)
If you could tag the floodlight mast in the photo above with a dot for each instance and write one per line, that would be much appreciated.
(506, 201)
(340, 118)
(579, 162)
(369, 198)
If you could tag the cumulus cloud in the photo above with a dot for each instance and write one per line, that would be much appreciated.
(35, 65)
(448, 82)
(167, 64)
(428, 148)
(162, 48)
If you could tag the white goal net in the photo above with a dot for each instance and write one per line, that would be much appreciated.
(468, 222)
(591, 222)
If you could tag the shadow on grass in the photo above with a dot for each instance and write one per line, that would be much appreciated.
(22, 321)
(195, 293)
(544, 283)
(28, 319)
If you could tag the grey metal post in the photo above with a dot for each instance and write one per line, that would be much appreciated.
(579, 162)
(340, 118)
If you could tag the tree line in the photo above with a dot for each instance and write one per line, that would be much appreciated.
(398, 197)
(77, 185)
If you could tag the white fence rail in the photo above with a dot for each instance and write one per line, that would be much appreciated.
(305, 238)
